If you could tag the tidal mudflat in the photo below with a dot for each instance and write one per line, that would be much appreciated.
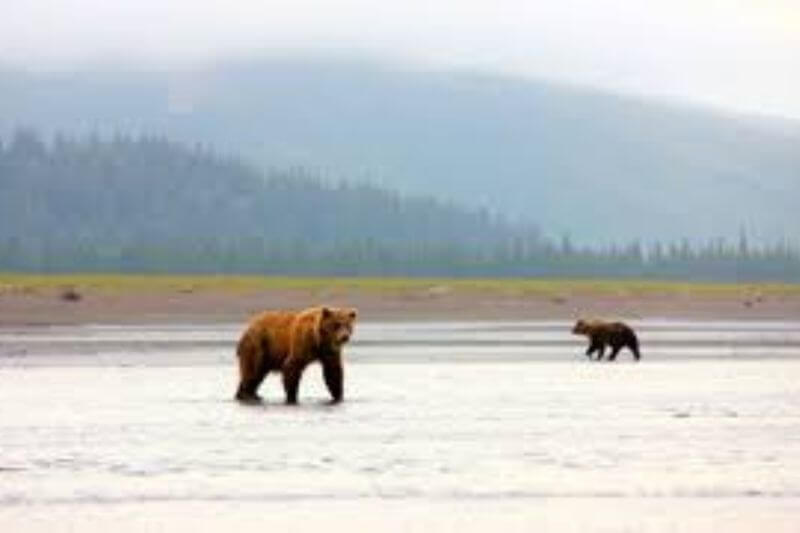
(446, 426)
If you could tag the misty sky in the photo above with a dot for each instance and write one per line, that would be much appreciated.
(738, 54)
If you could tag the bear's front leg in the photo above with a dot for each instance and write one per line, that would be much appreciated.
(590, 350)
(333, 373)
(601, 351)
(292, 372)
(595, 346)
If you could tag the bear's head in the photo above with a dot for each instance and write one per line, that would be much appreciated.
(581, 327)
(336, 326)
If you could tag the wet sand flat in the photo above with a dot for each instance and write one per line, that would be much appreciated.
(446, 426)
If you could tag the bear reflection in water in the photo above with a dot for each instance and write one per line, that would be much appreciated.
(287, 342)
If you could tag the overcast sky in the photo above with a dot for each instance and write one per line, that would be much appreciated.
(738, 54)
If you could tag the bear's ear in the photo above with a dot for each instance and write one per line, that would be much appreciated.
(326, 313)
(352, 313)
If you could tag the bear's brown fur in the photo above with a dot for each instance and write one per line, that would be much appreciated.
(602, 334)
(287, 342)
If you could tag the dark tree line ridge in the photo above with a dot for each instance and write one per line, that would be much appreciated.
(145, 204)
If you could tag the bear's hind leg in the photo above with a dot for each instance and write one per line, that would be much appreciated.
(633, 345)
(615, 348)
(248, 387)
(246, 391)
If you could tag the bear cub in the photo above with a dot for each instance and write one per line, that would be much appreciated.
(602, 334)
(287, 342)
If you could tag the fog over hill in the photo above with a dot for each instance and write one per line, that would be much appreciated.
(593, 165)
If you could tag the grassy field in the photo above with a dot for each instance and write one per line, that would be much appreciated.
(538, 286)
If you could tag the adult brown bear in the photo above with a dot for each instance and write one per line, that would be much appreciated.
(602, 334)
(287, 342)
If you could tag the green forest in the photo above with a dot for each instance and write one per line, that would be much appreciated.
(146, 204)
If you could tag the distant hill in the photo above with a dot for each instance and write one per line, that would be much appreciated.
(149, 204)
(598, 167)
(146, 204)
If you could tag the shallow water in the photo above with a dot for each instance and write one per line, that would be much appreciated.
(445, 427)
(396, 342)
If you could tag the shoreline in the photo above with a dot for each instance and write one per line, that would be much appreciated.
(119, 299)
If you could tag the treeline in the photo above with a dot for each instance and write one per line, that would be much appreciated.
(144, 204)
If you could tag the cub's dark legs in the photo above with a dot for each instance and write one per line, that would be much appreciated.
(614, 351)
(632, 344)
(598, 347)
(601, 352)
